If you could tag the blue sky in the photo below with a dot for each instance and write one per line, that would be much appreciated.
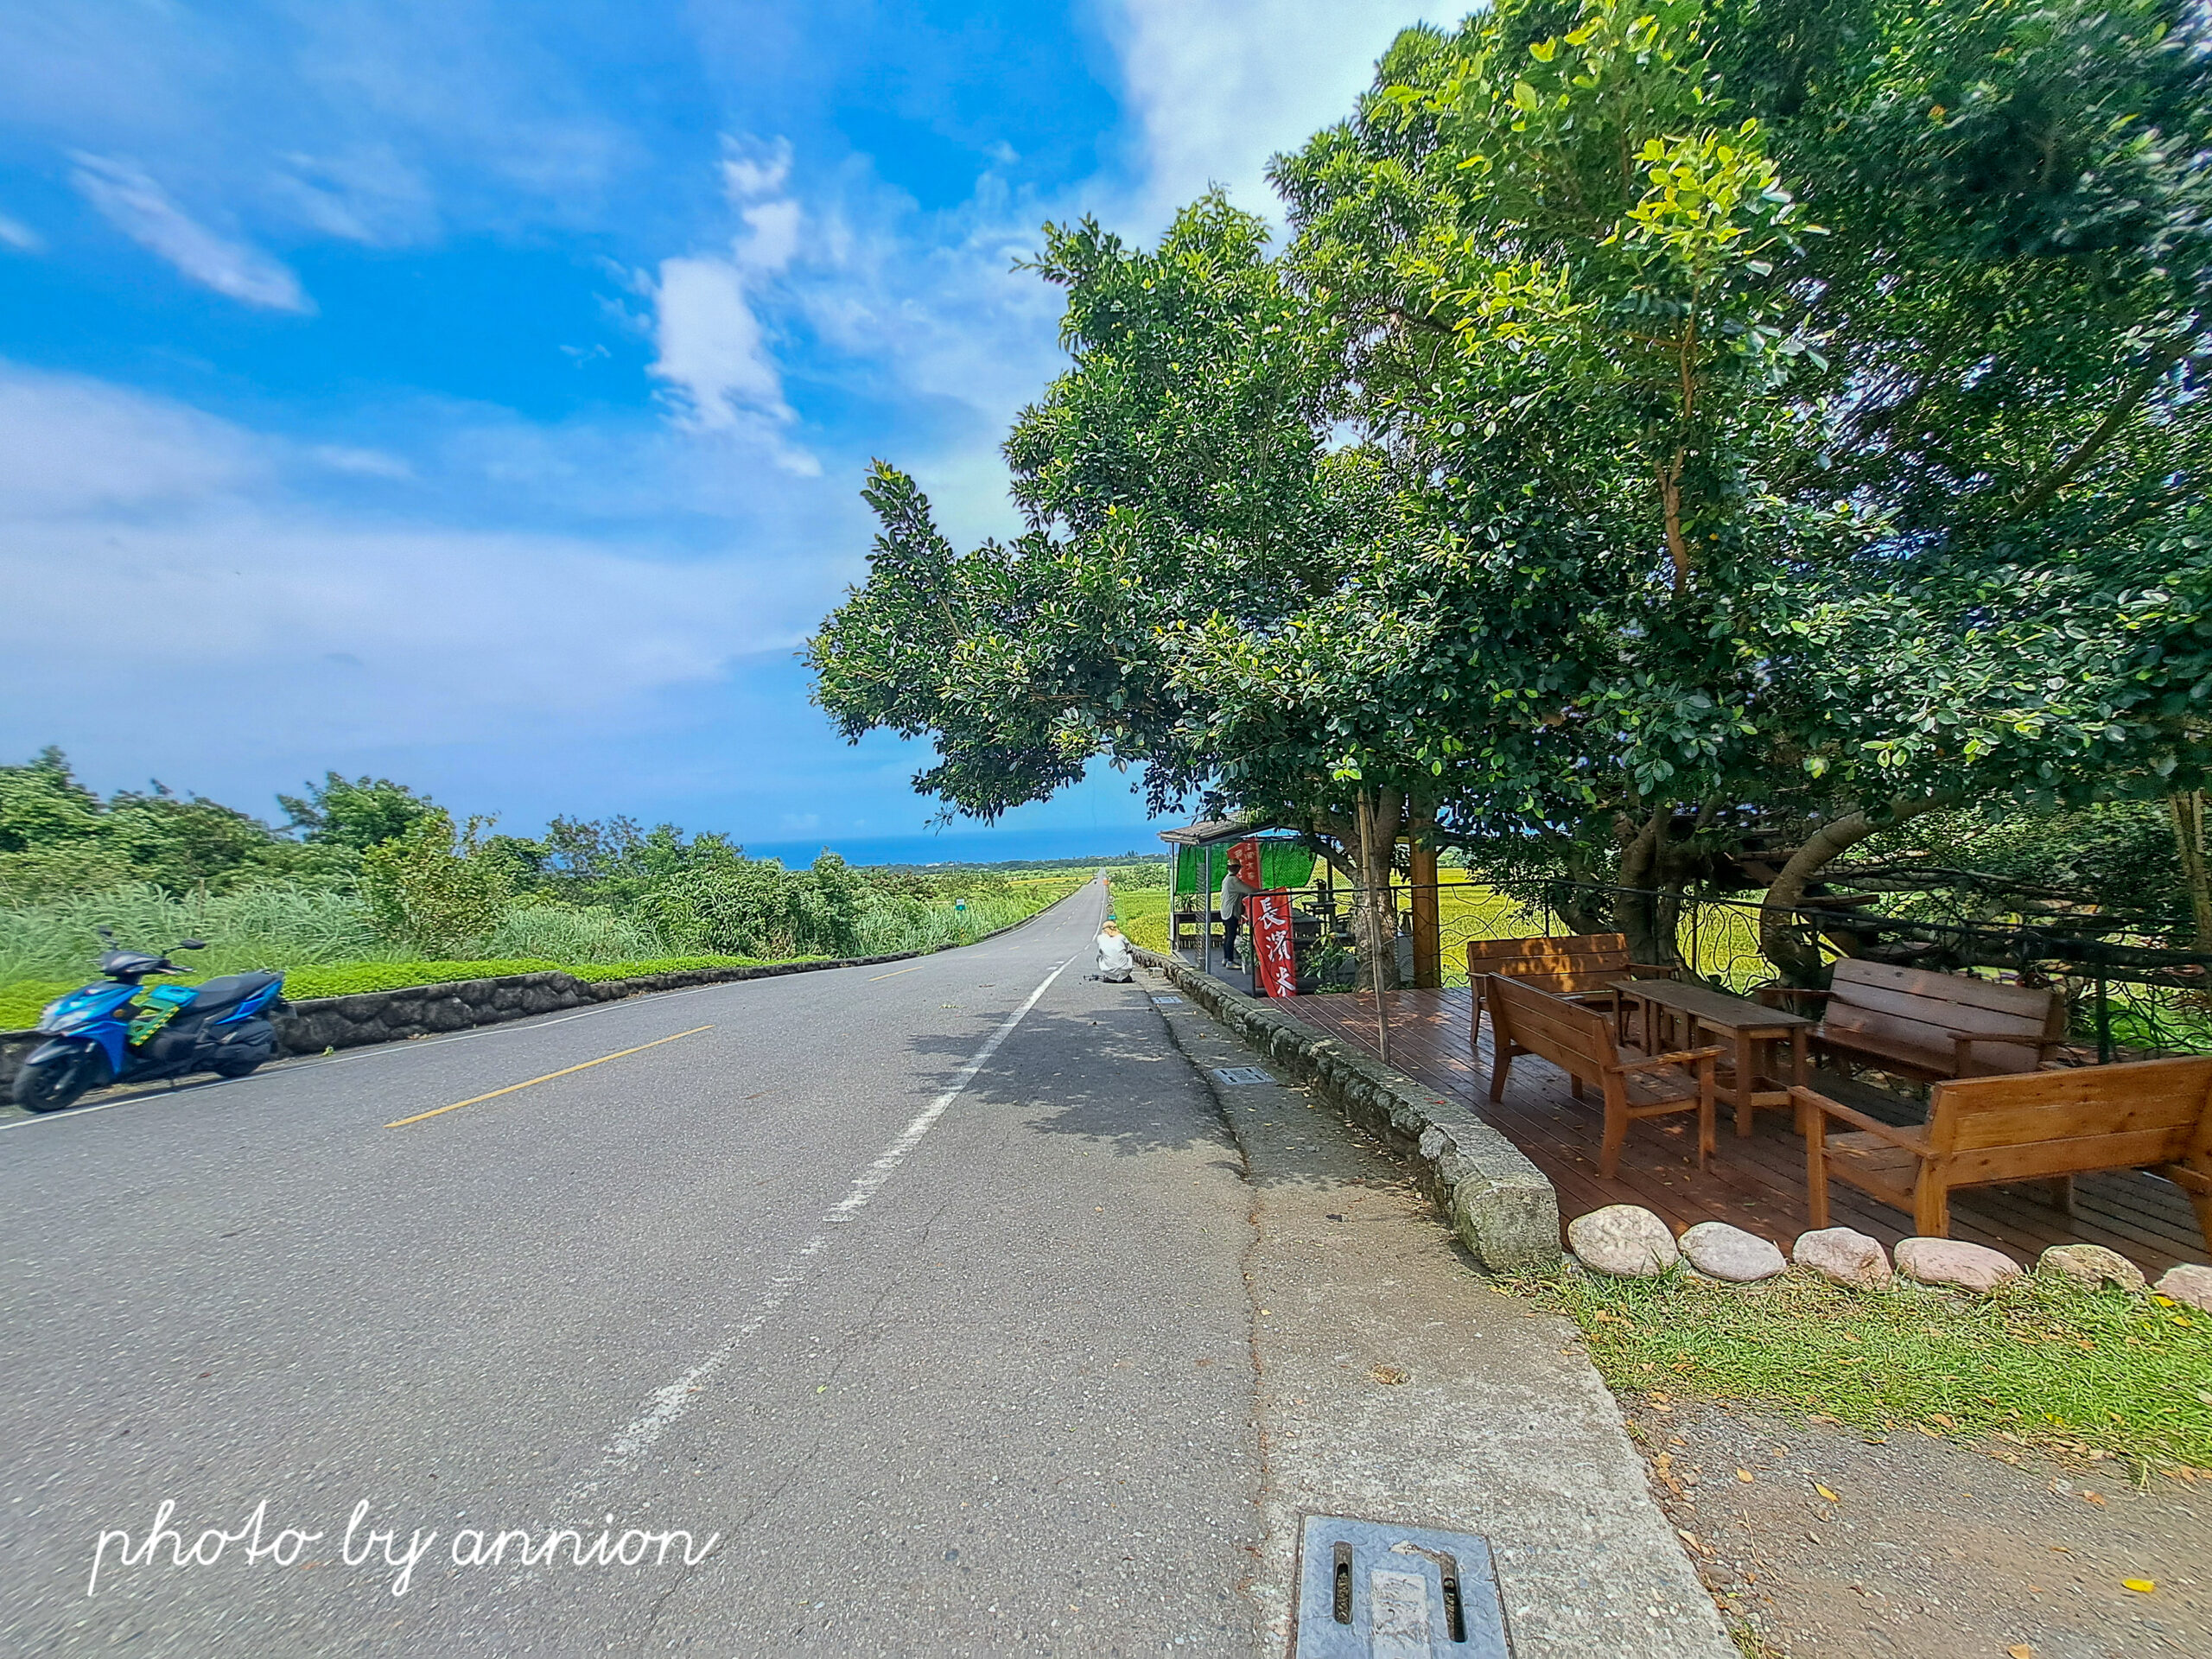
(479, 394)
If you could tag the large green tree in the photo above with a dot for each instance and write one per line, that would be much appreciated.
(1666, 427)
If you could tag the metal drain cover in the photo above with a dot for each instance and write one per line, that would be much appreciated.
(1164, 1000)
(1240, 1074)
(1367, 1590)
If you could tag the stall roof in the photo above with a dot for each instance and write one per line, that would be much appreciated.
(1210, 832)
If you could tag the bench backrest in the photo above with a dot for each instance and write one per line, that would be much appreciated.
(1923, 1010)
(1577, 1040)
(1580, 961)
(2085, 1118)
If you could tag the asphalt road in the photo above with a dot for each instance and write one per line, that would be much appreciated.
(963, 1376)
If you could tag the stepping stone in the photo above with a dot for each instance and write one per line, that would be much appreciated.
(1952, 1262)
(2189, 1283)
(2091, 1264)
(1625, 1240)
(1719, 1251)
(1843, 1255)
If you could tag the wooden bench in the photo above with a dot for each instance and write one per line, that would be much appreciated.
(2041, 1126)
(1581, 967)
(1580, 1042)
(1929, 1026)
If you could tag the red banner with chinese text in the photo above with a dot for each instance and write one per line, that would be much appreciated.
(1275, 960)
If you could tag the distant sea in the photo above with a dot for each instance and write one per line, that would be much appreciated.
(967, 846)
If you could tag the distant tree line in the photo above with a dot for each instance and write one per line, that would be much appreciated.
(445, 888)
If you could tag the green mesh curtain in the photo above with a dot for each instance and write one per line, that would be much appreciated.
(1282, 864)
(1285, 864)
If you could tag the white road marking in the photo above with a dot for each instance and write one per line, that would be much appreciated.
(665, 1405)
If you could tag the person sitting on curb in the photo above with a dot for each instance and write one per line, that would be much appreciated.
(1116, 961)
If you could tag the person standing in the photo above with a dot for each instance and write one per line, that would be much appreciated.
(1234, 889)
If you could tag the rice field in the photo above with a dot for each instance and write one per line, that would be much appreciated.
(1724, 945)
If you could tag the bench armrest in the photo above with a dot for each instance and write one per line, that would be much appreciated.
(1889, 1132)
(1685, 1057)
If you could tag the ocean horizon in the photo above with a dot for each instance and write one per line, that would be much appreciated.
(968, 846)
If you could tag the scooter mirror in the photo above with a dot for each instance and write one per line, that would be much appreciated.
(190, 944)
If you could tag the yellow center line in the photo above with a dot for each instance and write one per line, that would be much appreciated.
(402, 1122)
(895, 972)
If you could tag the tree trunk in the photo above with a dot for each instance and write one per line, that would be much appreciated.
(1788, 942)
(1424, 898)
(2188, 807)
(1636, 913)
(1375, 930)
(1580, 905)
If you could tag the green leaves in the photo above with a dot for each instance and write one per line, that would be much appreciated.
(1561, 469)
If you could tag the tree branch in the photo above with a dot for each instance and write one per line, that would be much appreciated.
(2059, 477)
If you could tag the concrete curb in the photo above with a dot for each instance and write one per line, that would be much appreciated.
(1500, 1204)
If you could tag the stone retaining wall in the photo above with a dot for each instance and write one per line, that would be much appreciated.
(318, 1024)
(326, 1022)
(1502, 1205)
(366, 1017)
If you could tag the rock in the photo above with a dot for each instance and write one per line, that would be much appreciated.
(1625, 1240)
(1844, 1256)
(1949, 1262)
(2189, 1283)
(2092, 1264)
(1719, 1251)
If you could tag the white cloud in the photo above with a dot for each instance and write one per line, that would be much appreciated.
(142, 211)
(1220, 87)
(752, 167)
(773, 230)
(712, 353)
(78, 447)
(364, 463)
(345, 630)
(19, 236)
(368, 195)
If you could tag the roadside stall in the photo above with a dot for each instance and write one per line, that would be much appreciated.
(1287, 918)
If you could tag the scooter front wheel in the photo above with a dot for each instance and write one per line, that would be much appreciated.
(48, 1084)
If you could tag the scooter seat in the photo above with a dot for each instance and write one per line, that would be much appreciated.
(229, 991)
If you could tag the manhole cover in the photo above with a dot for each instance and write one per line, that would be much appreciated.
(1164, 1000)
(1379, 1591)
(1240, 1074)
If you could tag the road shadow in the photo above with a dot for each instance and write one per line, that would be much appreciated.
(1111, 1075)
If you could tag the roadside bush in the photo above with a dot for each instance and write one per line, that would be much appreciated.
(327, 944)
(431, 887)
(555, 932)
(756, 907)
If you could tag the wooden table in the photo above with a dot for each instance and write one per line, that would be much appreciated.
(1745, 1025)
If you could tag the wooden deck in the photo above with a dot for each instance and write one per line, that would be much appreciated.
(1757, 1184)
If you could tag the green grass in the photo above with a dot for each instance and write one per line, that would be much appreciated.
(2042, 1363)
(1142, 912)
(19, 1004)
(325, 947)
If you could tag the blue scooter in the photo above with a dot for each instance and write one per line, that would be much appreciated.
(100, 1036)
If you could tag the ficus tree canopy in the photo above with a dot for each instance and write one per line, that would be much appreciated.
(1660, 423)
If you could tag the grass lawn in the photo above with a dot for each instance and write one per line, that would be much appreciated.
(2040, 1363)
